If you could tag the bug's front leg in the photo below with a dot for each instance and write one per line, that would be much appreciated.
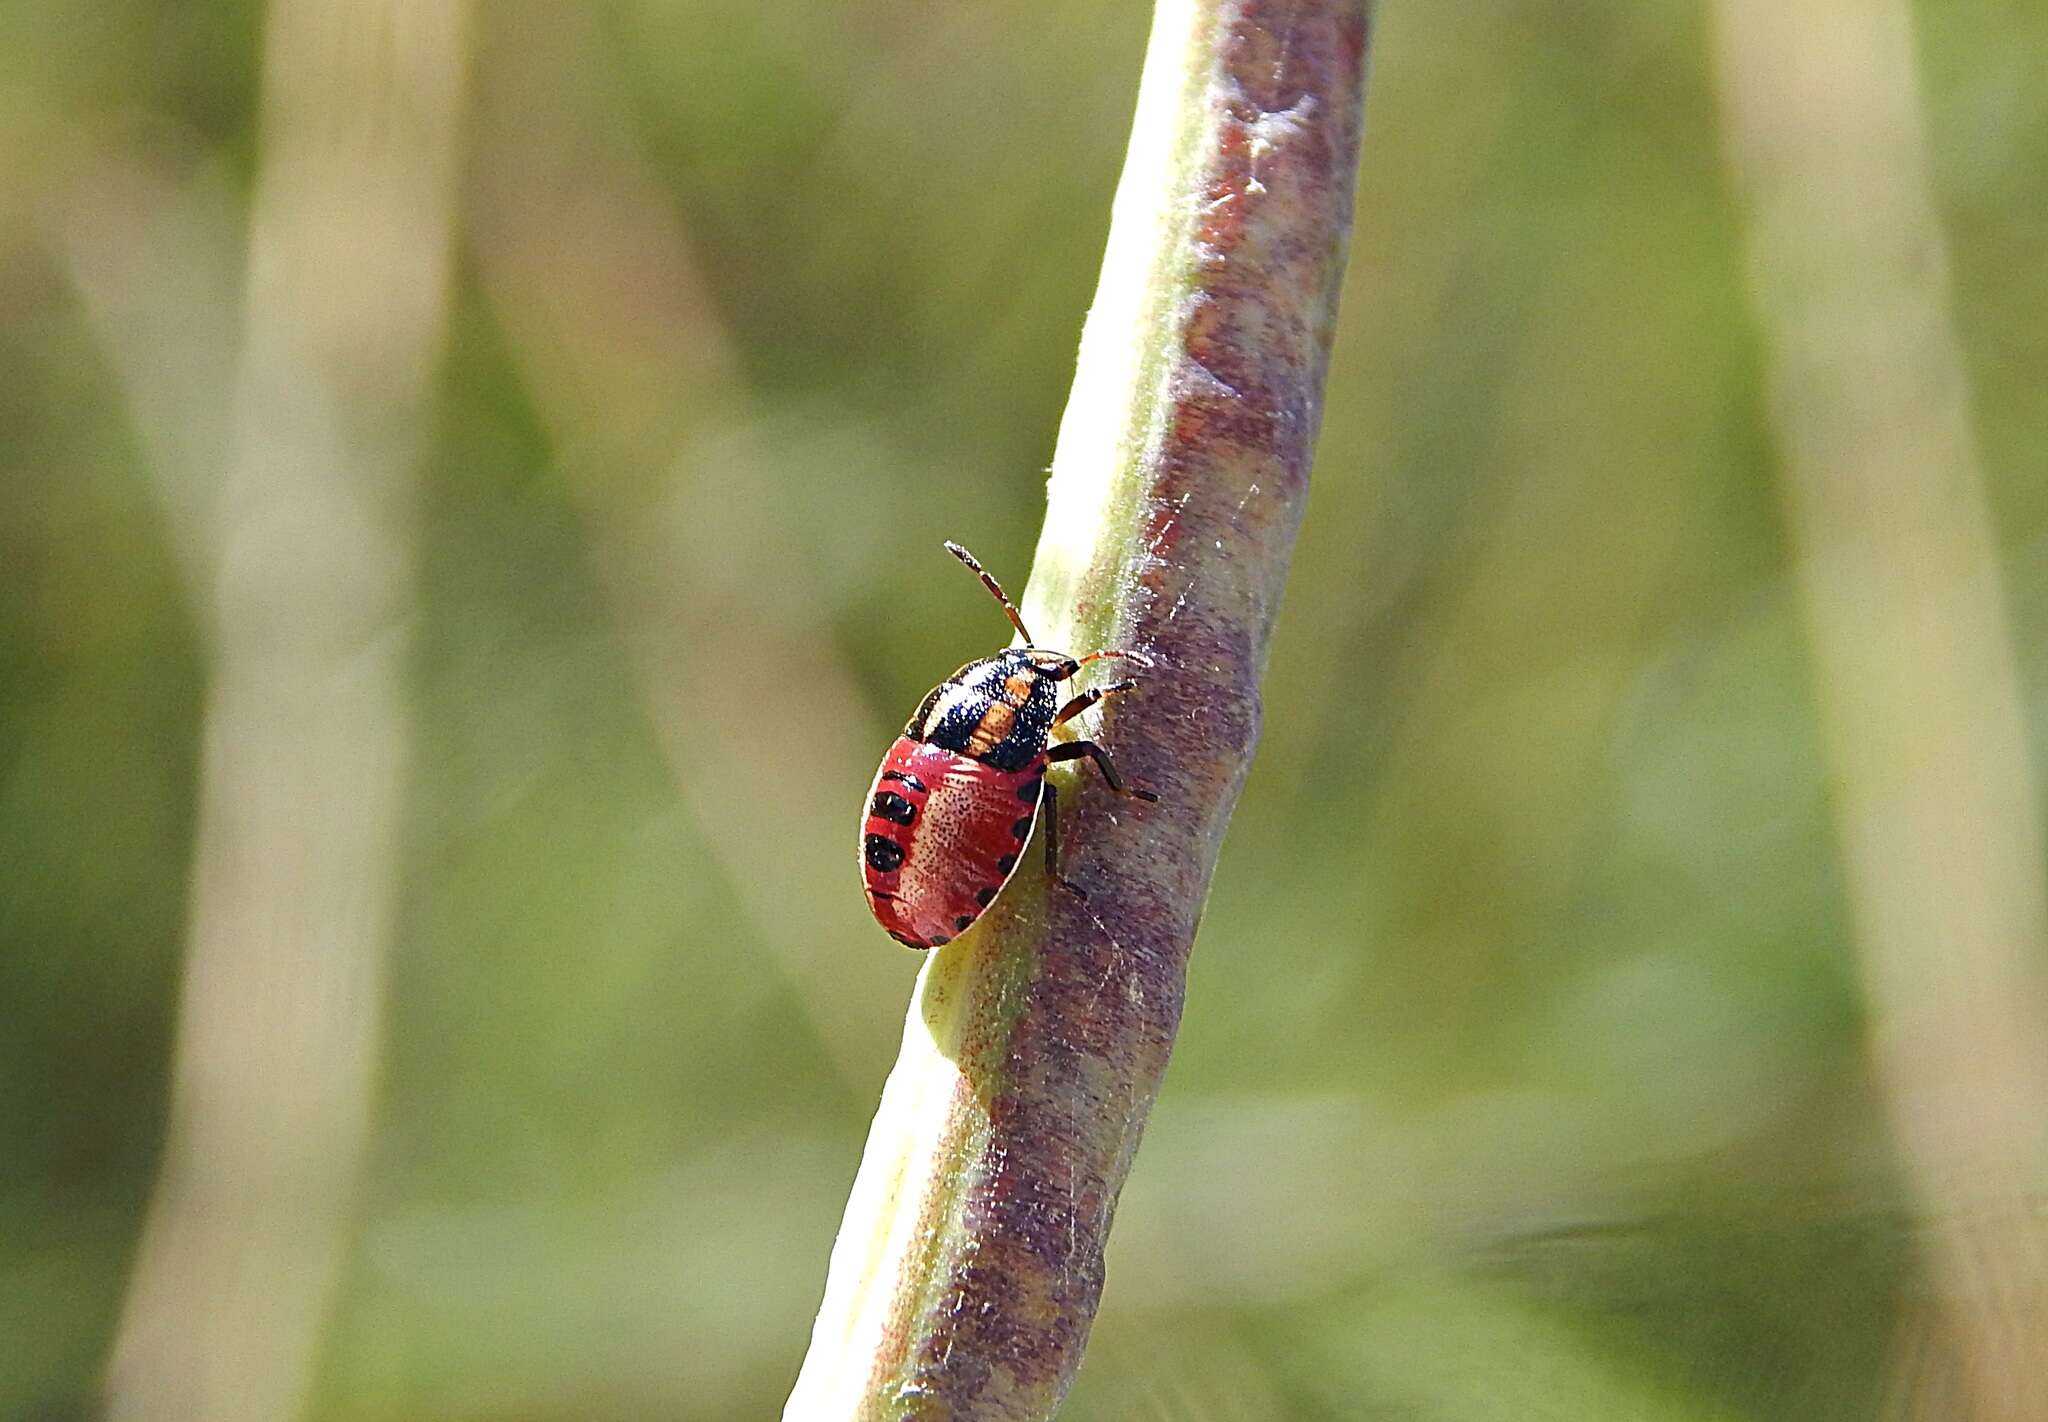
(1088, 698)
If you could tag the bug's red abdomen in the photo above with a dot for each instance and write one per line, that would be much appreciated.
(941, 834)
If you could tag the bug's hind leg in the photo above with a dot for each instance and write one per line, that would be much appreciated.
(1049, 816)
(1074, 750)
(1088, 698)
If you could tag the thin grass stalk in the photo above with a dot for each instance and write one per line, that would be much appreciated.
(301, 555)
(1916, 674)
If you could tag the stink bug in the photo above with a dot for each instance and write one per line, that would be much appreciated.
(954, 802)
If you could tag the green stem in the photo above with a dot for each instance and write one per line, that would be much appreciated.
(969, 1264)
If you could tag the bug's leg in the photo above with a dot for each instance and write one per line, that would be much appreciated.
(1049, 815)
(1088, 698)
(1074, 750)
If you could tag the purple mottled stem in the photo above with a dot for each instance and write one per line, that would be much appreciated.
(969, 1266)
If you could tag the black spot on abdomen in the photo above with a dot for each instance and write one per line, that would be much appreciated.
(883, 854)
(890, 806)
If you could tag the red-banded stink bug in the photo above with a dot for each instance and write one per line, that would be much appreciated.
(953, 805)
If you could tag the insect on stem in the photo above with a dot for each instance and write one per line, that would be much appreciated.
(953, 806)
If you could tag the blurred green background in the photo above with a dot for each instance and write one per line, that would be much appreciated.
(1525, 1069)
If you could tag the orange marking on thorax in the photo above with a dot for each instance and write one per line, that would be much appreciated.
(995, 724)
(1001, 715)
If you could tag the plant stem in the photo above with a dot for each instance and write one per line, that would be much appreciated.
(969, 1263)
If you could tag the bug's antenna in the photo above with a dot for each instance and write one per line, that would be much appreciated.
(995, 588)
